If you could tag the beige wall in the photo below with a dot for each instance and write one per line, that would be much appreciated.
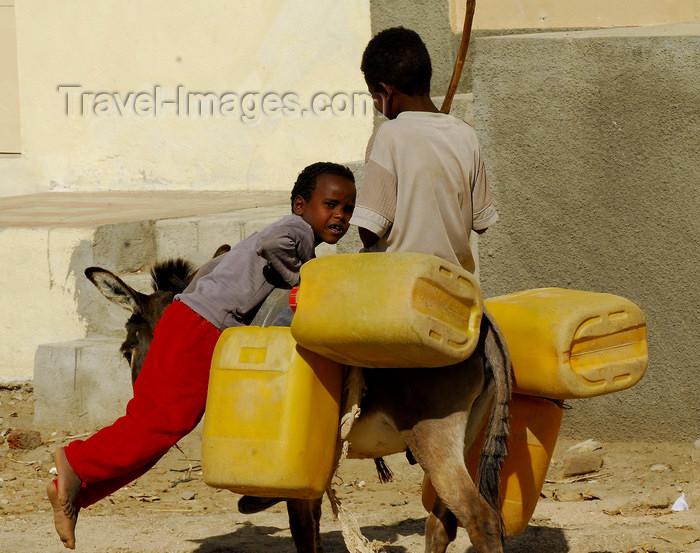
(38, 294)
(9, 86)
(552, 14)
(163, 49)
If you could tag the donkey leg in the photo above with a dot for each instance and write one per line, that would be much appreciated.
(446, 468)
(304, 519)
(440, 528)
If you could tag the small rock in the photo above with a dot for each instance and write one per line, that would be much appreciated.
(23, 439)
(696, 444)
(187, 496)
(581, 447)
(582, 463)
(660, 468)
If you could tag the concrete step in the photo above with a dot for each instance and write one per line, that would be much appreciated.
(80, 385)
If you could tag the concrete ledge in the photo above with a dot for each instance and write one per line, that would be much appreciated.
(80, 385)
(91, 209)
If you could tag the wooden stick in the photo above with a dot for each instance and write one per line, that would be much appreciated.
(66, 438)
(461, 56)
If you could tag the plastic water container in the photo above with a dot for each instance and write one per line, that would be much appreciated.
(534, 428)
(272, 414)
(568, 344)
(388, 310)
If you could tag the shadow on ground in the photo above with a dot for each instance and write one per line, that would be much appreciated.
(253, 539)
(542, 539)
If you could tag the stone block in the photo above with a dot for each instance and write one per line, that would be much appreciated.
(80, 385)
(127, 246)
(213, 231)
(255, 220)
(175, 238)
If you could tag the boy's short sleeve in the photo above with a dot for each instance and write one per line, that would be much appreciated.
(376, 203)
(484, 214)
(375, 207)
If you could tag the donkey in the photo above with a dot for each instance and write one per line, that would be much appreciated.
(436, 414)
(168, 278)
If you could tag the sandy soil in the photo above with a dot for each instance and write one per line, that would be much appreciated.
(624, 507)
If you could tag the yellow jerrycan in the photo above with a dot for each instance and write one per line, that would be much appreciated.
(388, 310)
(271, 420)
(534, 428)
(567, 344)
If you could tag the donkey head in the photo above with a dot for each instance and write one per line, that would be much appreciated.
(168, 278)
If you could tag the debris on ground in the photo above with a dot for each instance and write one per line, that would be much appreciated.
(24, 439)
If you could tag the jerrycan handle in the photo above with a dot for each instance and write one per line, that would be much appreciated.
(293, 298)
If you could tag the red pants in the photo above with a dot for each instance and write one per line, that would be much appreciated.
(169, 399)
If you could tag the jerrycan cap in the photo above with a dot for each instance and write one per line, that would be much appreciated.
(293, 298)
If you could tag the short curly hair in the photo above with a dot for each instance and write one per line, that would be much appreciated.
(399, 57)
(306, 181)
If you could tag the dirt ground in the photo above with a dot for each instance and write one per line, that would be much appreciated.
(623, 507)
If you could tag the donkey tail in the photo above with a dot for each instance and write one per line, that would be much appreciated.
(494, 449)
(383, 471)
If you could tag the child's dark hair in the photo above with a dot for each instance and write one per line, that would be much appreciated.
(398, 57)
(306, 181)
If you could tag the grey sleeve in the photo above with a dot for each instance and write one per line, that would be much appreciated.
(286, 248)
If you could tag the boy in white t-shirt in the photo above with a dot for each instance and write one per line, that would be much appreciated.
(425, 185)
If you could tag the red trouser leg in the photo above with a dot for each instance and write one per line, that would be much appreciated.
(169, 399)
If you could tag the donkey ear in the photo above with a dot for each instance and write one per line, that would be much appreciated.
(115, 289)
(221, 250)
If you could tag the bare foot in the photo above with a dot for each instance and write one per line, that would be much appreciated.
(65, 525)
(62, 495)
(69, 483)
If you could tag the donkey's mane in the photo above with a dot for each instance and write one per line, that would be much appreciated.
(172, 275)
